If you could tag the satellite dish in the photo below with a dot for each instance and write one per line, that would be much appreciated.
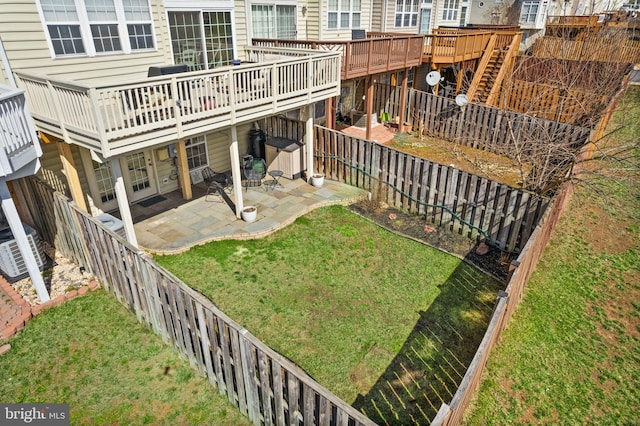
(462, 99)
(433, 78)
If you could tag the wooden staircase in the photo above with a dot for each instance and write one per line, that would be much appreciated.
(489, 76)
(494, 66)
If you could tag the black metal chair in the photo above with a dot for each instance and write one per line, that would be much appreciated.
(216, 182)
(255, 169)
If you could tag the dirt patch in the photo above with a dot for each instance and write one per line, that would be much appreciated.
(481, 163)
(494, 262)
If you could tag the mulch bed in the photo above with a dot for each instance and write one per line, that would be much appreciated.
(495, 262)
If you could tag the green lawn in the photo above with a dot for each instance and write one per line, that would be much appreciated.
(92, 354)
(384, 322)
(571, 352)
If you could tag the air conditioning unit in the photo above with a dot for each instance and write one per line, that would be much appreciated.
(196, 176)
(12, 263)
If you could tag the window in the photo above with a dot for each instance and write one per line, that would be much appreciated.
(90, 27)
(344, 13)
(450, 10)
(202, 39)
(406, 13)
(425, 21)
(196, 152)
(63, 26)
(273, 21)
(104, 180)
(138, 17)
(463, 16)
(530, 9)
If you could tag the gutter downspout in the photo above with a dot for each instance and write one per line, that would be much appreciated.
(6, 65)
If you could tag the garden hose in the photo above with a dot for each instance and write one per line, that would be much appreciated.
(395, 188)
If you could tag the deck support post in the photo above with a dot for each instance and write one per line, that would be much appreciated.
(236, 171)
(330, 113)
(11, 214)
(123, 201)
(71, 172)
(183, 170)
(369, 107)
(308, 140)
(403, 99)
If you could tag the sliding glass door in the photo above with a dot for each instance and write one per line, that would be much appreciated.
(201, 39)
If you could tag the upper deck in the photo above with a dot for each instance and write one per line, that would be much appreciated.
(379, 53)
(114, 118)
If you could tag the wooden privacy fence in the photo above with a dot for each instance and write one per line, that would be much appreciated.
(462, 202)
(264, 385)
(476, 125)
(572, 106)
(592, 49)
(522, 268)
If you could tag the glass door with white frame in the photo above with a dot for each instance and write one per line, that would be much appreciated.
(201, 39)
(138, 175)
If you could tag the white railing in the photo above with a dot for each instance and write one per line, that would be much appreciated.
(117, 118)
(18, 141)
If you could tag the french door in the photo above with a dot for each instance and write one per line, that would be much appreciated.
(138, 175)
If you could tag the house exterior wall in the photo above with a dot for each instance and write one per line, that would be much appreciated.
(23, 35)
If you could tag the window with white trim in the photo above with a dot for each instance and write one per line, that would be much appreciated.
(406, 13)
(273, 21)
(425, 21)
(63, 26)
(197, 152)
(450, 10)
(90, 27)
(104, 181)
(103, 21)
(344, 14)
(529, 11)
(463, 16)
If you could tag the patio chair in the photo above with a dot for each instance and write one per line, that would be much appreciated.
(255, 169)
(216, 182)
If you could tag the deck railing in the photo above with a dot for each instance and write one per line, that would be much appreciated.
(572, 21)
(115, 118)
(380, 53)
(18, 141)
(449, 46)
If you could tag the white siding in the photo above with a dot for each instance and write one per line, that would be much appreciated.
(24, 39)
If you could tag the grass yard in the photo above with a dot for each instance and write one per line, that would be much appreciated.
(92, 354)
(571, 352)
(386, 323)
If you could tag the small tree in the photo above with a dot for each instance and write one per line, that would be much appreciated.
(564, 86)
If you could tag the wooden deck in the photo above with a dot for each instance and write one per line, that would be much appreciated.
(119, 117)
(359, 58)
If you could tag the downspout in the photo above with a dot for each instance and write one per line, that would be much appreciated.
(6, 65)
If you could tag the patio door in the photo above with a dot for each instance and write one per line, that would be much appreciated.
(201, 39)
(137, 171)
